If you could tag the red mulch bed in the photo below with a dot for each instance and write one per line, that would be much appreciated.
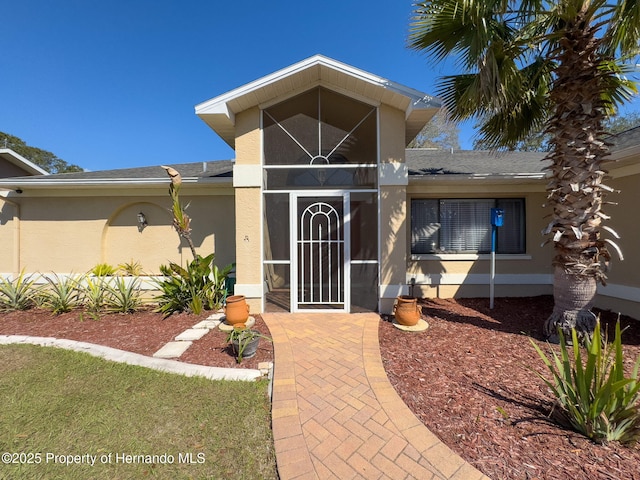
(143, 332)
(468, 379)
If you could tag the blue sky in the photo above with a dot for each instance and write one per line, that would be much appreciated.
(113, 84)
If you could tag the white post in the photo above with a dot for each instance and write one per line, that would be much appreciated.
(493, 266)
(493, 277)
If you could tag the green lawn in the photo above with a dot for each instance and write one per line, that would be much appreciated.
(61, 411)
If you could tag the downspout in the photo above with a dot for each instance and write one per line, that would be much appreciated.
(16, 236)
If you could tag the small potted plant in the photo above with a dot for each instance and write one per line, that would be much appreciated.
(244, 342)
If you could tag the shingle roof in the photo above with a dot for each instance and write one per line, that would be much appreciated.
(221, 168)
(421, 162)
(626, 139)
(426, 162)
(193, 173)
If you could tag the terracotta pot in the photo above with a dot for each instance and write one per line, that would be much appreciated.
(236, 310)
(406, 310)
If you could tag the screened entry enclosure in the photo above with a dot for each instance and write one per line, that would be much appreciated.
(320, 203)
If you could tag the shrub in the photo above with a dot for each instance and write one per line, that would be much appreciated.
(95, 292)
(122, 296)
(198, 287)
(130, 269)
(62, 294)
(593, 396)
(103, 270)
(19, 293)
(240, 338)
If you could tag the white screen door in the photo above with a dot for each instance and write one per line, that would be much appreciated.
(320, 250)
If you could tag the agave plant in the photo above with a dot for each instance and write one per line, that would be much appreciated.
(130, 269)
(19, 293)
(103, 270)
(95, 293)
(63, 294)
(593, 395)
(122, 296)
(244, 342)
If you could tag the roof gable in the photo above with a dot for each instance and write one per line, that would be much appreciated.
(13, 164)
(219, 112)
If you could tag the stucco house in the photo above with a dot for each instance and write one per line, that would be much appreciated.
(323, 207)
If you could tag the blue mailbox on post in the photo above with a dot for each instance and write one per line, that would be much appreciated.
(497, 220)
(497, 217)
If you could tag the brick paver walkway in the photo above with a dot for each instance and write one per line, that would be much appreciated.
(335, 414)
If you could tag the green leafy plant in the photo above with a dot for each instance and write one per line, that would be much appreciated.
(130, 269)
(191, 289)
(219, 278)
(240, 338)
(103, 270)
(122, 296)
(592, 395)
(19, 293)
(62, 294)
(95, 292)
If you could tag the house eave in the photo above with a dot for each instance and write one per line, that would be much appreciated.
(492, 178)
(121, 183)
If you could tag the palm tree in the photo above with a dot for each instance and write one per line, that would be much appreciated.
(557, 67)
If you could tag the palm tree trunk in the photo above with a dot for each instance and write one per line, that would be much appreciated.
(573, 298)
(575, 190)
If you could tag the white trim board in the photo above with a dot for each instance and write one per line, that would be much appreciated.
(249, 290)
(480, 279)
(247, 176)
(622, 292)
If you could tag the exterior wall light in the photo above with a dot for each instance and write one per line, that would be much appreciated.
(142, 222)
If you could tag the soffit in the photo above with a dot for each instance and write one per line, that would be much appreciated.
(219, 112)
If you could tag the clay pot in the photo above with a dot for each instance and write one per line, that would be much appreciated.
(236, 310)
(406, 310)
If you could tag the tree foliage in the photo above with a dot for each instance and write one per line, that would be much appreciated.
(509, 52)
(44, 159)
(539, 141)
(440, 133)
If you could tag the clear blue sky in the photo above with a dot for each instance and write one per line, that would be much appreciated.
(113, 84)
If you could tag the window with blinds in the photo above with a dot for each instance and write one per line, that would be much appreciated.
(464, 225)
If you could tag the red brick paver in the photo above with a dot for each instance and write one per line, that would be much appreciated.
(335, 414)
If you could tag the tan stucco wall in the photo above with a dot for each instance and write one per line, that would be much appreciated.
(622, 293)
(393, 235)
(624, 220)
(248, 138)
(392, 147)
(393, 209)
(248, 201)
(9, 237)
(73, 234)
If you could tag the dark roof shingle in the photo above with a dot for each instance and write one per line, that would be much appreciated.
(426, 161)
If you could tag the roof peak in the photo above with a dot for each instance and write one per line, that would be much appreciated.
(318, 70)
